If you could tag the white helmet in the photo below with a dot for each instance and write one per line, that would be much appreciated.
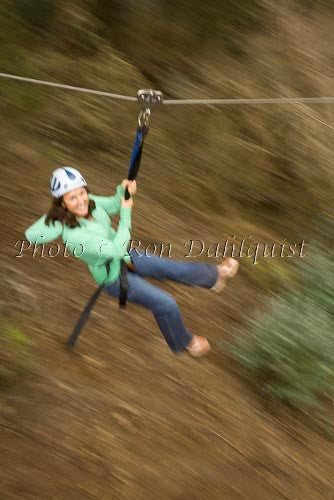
(65, 179)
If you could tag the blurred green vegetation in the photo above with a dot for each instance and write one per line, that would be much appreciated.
(15, 354)
(288, 349)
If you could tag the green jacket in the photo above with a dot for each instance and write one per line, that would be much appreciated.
(95, 241)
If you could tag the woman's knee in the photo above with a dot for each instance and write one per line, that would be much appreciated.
(166, 304)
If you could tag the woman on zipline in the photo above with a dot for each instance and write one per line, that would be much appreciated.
(82, 220)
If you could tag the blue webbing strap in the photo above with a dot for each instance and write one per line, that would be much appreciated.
(132, 174)
(135, 159)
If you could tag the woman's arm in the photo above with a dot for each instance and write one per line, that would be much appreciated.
(39, 232)
(112, 204)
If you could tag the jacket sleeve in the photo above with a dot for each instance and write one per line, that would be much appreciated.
(39, 232)
(97, 250)
(111, 204)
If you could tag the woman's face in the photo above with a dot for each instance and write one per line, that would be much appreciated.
(76, 202)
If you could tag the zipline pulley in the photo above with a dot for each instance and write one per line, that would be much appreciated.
(147, 99)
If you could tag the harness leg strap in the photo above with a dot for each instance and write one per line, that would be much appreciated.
(123, 278)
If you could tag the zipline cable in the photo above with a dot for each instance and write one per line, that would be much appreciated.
(278, 100)
(183, 102)
(69, 87)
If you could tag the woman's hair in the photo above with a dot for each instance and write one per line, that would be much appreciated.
(58, 212)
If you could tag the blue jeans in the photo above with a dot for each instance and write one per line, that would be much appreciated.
(162, 304)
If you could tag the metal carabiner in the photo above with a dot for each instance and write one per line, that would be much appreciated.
(144, 119)
(147, 98)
